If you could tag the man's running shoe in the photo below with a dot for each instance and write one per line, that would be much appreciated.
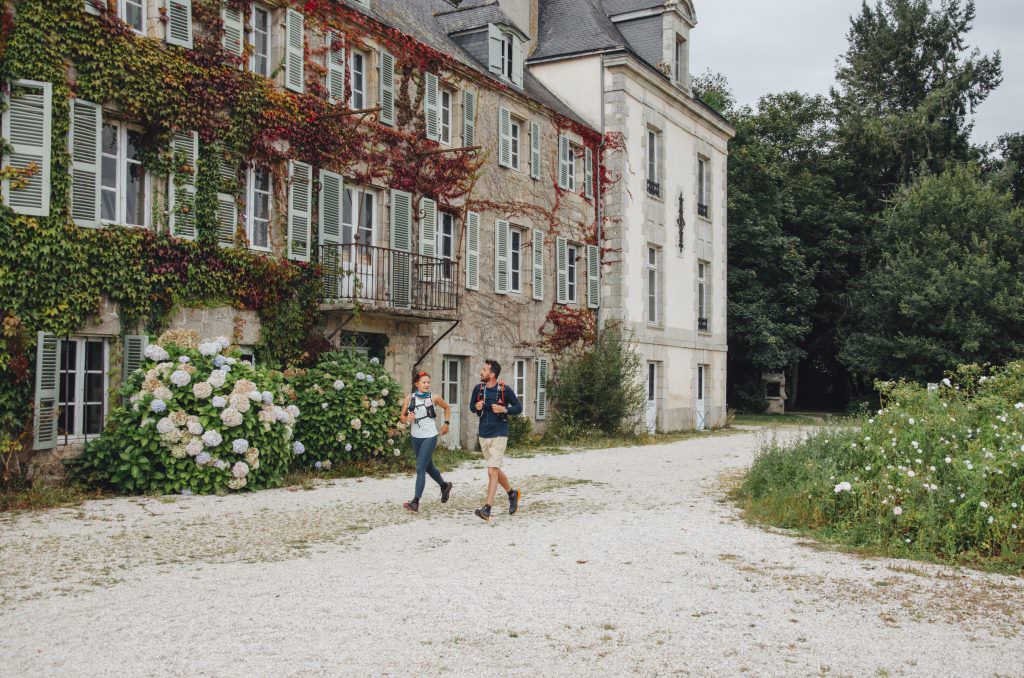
(446, 491)
(413, 505)
(513, 500)
(484, 513)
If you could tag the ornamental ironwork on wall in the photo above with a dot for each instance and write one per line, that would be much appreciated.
(681, 223)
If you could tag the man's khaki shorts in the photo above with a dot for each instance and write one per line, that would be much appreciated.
(493, 450)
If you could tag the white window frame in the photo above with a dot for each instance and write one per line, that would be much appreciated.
(78, 397)
(515, 146)
(362, 57)
(257, 7)
(357, 196)
(120, 180)
(515, 259)
(653, 314)
(507, 54)
(652, 156)
(702, 293)
(570, 162)
(122, 13)
(572, 256)
(446, 239)
(446, 97)
(519, 380)
(679, 64)
(250, 206)
(704, 185)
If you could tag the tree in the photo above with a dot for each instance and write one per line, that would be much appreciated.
(905, 88)
(948, 285)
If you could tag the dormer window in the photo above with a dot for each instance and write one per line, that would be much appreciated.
(505, 53)
(679, 62)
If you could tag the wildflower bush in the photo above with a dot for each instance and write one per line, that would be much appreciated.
(350, 407)
(195, 419)
(933, 474)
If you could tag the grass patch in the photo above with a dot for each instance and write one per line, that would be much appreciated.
(787, 419)
(46, 496)
(934, 476)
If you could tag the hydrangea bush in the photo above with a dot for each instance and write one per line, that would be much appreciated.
(195, 419)
(350, 410)
(936, 471)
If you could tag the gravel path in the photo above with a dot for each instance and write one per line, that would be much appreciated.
(623, 561)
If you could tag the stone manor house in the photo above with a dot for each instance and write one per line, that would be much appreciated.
(601, 189)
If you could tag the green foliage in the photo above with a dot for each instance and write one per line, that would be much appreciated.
(933, 474)
(350, 408)
(597, 388)
(947, 287)
(713, 89)
(519, 430)
(192, 425)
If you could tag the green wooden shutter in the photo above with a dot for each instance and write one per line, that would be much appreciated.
(542, 388)
(300, 207)
(593, 276)
(185, 146)
(505, 137)
(562, 267)
(27, 124)
(468, 118)
(332, 193)
(387, 88)
(472, 251)
(588, 172)
(47, 396)
(564, 150)
(85, 133)
(227, 206)
(179, 23)
(234, 30)
(432, 106)
(295, 52)
(501, 256)
(517, 61)
(335, 68)
(494, 49)
(134, 354)
(534, 150)
(401, 242)
(538, 264)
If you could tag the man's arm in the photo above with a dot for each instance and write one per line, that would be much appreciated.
(513, 406)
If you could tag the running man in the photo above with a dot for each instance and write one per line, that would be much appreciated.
(419, 409)
(493, 402)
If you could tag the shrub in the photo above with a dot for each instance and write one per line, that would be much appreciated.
(598, 388)
(519, 430)
(350, 408)
(193, 419)
(938, 473)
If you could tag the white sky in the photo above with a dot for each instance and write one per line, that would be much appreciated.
(765, 47)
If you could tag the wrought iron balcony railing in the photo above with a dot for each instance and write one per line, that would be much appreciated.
(702, 324)
(702, 210)
(388, 278)
(653, 188)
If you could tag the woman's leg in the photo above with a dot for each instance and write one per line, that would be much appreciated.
(427, 450)
(418, 446)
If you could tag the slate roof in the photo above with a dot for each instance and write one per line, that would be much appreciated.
(614, 7)
(574, 27)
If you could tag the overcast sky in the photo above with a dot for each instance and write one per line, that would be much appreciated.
(765, 47)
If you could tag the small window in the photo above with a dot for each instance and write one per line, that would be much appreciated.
(571, 259)
(258, 204)
(520, 380)
(259, 40)
(514, 137)
(124, 197)
(570, 165)
(446, 117)
(248, 355)
(702, 297)
(703, 187)
(133, 13)
(357, 76)
(359, 217)
(83, 386)
(515, 260)
(653, 175)
(507, 55)
(446, 243)
(652, 286)
(679, 65)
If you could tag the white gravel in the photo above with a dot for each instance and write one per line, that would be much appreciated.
(622, 561)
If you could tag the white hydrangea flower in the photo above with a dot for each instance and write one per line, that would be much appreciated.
(209, 348)
(195, 428)
(356, 423)
(204, 458)
(165, 425)
(348, 447)
(240, 469)
(219, 402)
(384, 392)
(236, 483)
(194, 447)
(156, 353)
(374, 361)
(240, 445)
(298, 448)
(292, 410)
(220, 464)
(231, 417)
(202, 389)
(842, 487)
(239, 402)
(212, 438)
(163, 393)
(369, 378)
(360, 376)
(181, 378)
(323, 406)
(157, 405)
(223, 341)
(338, 384)
(217, 378)
(255, 396)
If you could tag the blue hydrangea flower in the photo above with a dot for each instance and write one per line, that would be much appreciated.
(298, 447)
(158, 405)
(318, 465)
(218, 360)
(204, 458)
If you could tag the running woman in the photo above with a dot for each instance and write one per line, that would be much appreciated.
(493, 402)
(419, 409)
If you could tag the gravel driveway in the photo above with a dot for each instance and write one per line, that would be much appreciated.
(622, 561)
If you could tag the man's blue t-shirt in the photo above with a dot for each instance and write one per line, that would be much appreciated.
(491, 426)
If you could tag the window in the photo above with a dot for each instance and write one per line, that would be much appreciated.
(133, 13)
(702, 297)
(446, 117)
(446, 242)
(259, 39)
(573, 255)
(679, 65)
(123, 198)
(506, 55)
(359, 214)
(652, 286)
(519, 378)
(357, 74)
(514, 137)
(83, 387)
(515, 260)
(248, 355)
(566, 164)
(703, 188)
(653, 178)
(257, 207)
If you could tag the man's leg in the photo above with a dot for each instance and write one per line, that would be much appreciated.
(492, 483)
(503, 481)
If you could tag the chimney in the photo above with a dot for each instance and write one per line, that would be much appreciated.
(524, 14)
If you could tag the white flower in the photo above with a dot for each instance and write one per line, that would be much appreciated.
(223, 341)
(236, 483)
(292, 410)
(181, 378)
(374, 361)
(219, 402)
(947, 383)
(1019, 406)
(298, 448)
(165, 425)
(267, 397)
(897, 510)
(915, 444)
(204, 458)
(212, 438)
(842, 487)
(348, 447)
(202, 389)
(911, 421)
(983, 504)
(356, 424)
(162, 393)
(240, 469)
(323, 406)
(240, 445)
(194, 447)
(231, 417)
(338, 384)
(195, 428)
(220, 464)
(218, 361)
(948, 460)
(910, 473)
(318, 465)
(157, 405)
(369, 378)
(384, 392)
(156, 353)
(360, 376)
(217, 378)
(255, 396)
(209, 348)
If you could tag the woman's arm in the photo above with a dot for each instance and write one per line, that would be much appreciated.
(440, 402)
(405, 410)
